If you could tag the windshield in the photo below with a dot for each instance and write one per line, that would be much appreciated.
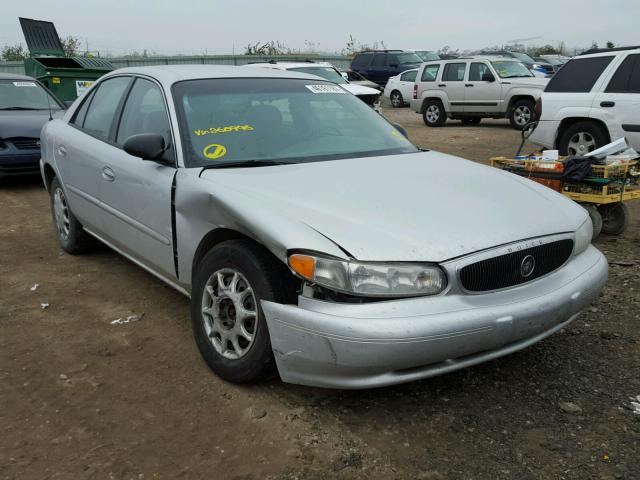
(407, 58)
(427, 56)
(25, 95)
(511, 69)
(241, 120)
(328, 73)
(523, 57)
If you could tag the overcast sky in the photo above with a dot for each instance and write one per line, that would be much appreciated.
(199, 26)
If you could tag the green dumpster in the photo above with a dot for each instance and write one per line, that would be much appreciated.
(66, 77)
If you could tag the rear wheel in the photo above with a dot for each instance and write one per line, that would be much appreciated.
(434, 114)
(228, 322)
(615, 218)
(596, 218)
(69, 232)
(521, 113)
(396, 99)
(582, 138)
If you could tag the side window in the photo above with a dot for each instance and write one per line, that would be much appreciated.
(144, 112)
(478, 72)
(99, 117)
(627, 77)
(392, 60)
(81, 113)
(578, 75)
(453, 72)
(379, 60)
(362, 60)
(409, 76)
(430, 73)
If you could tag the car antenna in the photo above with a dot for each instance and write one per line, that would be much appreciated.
(46, 94)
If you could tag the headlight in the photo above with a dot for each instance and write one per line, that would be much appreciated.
(583, 237)
(370, 279)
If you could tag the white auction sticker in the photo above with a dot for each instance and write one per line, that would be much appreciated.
(82, 86)
(325, 89)
(24, 84)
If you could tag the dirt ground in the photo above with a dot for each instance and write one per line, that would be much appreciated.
(82, 398)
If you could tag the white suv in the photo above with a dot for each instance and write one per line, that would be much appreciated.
(470, 89)
(368, 95)
(593, 99)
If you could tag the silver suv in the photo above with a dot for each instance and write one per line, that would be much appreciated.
(470, 89)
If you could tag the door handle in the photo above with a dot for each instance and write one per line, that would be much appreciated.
(107, 174)
(442, 84)
(468, 84)
(62, 151)
(607, 104)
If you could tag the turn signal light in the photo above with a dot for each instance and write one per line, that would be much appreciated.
(303, 265)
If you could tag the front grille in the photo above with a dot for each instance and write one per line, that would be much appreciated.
(369, 99)
(25, 143)
(507, 270)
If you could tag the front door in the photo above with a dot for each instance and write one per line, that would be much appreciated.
(482, 91)
(136, 193)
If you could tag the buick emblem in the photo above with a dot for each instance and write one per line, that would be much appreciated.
(527, 266)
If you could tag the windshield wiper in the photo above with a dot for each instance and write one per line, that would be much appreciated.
(518, 76)
(21, 108)
(247, 164)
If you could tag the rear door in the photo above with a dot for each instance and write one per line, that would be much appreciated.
(619, 103)
(482, 91)
(405, 85)
(136, 193)
(452, 83)
(80, 151)
(376, 71)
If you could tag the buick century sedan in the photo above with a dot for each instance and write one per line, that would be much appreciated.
(312, 237)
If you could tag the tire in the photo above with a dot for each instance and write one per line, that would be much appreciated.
(615, 218)
(521, 113)
(434, 114)
(587, 134)
(265, 278)
(396, 99)
(69, 232)
(471, 120)
(596, 218)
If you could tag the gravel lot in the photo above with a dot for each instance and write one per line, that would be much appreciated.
(82, 398)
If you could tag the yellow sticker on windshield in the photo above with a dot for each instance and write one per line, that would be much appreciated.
(229, 128)
(214, 151)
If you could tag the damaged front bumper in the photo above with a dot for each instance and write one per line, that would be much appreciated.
(368, 345)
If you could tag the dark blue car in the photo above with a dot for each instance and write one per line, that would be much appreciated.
(379, 65)
(25, 106)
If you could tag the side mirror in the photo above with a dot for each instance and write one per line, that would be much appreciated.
(148, 146)
(68, 103)
(401, 129)
(393, 65)
(488, 77)
(345, 75)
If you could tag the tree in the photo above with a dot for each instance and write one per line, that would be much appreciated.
(13, 53)
(71, 46)
(610, 44)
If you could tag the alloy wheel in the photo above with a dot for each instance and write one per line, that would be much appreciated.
(61, 213)
(522, 115)
(581, 144)
(395, 99)
(432, 113)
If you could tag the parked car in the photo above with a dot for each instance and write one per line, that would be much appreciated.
(546, 67)
(356, 79)
(25, 106)
(368, 95)
(379, 65)
(399, 89)
(544, 70)
(592, 100)
(425, 55)
(556, 60)
(298, 222)
(470, 89)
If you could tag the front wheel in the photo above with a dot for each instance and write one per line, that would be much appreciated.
(582, 138)
(521, 113)
(228, 322)
(434, 114)
(615, 218)
(396, 99)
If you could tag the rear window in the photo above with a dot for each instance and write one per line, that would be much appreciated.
(430, 73)
(578, 75)
(627, 77)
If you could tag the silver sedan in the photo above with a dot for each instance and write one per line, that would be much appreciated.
(312, 237)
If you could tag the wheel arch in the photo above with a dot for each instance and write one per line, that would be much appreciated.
(49, 175)
(520, 96)
(568, 122)
(428, 98)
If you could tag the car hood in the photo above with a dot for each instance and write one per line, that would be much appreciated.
(535, 82)
(424, 206)
(26, 123)
(359, 89)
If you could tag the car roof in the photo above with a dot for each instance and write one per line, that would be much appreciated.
(14, 76)
(603, 52)
(170, 74)
(289, 65)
